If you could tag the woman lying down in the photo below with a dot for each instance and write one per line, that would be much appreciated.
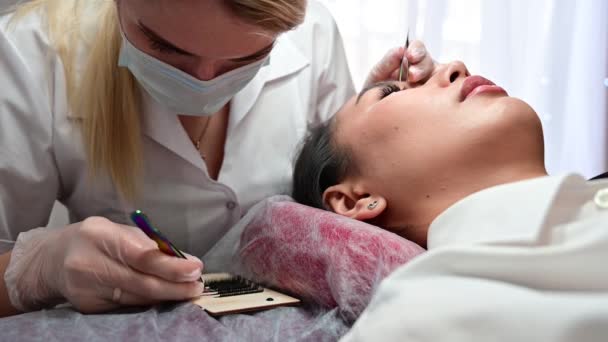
(457, 166)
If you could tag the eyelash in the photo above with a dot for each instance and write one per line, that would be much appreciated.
(389, 89)
(158, 46)
(161, 47)
(167, 49)
(164, 48)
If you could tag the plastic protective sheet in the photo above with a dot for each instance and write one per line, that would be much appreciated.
(331, 262)
(321, 257)
(184, 322)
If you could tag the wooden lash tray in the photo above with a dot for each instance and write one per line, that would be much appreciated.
(238, 295)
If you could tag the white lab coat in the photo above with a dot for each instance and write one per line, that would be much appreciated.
(42, 159)
(518, 262)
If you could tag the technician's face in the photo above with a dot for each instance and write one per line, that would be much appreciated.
(201, 38)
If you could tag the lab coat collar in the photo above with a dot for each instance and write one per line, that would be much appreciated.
(285, 59)
(513, 213)
(164, 127)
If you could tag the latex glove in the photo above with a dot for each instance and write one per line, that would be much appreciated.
(421, 68)
(86, 262)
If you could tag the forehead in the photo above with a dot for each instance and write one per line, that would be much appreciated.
(347, 115)
(354, 122)
(206, 28)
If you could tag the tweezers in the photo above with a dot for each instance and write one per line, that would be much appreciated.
(405, 64)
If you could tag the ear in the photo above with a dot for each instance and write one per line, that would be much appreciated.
(343, 199)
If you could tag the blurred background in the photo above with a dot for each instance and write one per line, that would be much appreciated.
(551, 53)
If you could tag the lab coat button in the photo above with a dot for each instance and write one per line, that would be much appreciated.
(601, 199)
(231, 205)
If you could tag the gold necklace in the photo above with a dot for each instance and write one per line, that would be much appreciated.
(197, 143)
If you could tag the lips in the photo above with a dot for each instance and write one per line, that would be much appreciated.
(474, 85)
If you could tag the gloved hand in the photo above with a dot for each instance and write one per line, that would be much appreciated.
(97, 266)
(421, 68)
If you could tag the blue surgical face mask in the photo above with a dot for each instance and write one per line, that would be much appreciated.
(180, 92)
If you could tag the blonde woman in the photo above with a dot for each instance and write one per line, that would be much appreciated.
(188, 110)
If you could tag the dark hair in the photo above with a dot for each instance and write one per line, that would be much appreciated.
(320, 164)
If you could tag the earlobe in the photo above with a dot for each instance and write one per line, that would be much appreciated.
(344, 200)
(369, 207)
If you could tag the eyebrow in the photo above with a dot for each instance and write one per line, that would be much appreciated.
(370, 87)
(256, 55)
(155, 36)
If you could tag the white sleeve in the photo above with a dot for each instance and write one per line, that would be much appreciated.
(441, 301)
(450, 308)
(29, 181)
(335, 84)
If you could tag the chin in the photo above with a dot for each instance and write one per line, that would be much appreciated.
(521, 126)
(517, 110)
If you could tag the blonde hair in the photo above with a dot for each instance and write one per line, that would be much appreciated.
(103, 97)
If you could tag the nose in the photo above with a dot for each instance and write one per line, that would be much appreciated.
(205, 70)
(451, 73)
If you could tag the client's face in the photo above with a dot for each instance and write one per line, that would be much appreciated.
(419, 150)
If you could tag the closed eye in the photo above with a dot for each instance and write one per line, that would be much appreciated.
(388, 90)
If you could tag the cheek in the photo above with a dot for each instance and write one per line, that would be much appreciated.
(513, 130)
(420, 122)
(418, 108)
(425, 138)
(410, 134)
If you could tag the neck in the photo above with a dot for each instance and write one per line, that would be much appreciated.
(504, 175)
(419, 207)
(467, 182)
